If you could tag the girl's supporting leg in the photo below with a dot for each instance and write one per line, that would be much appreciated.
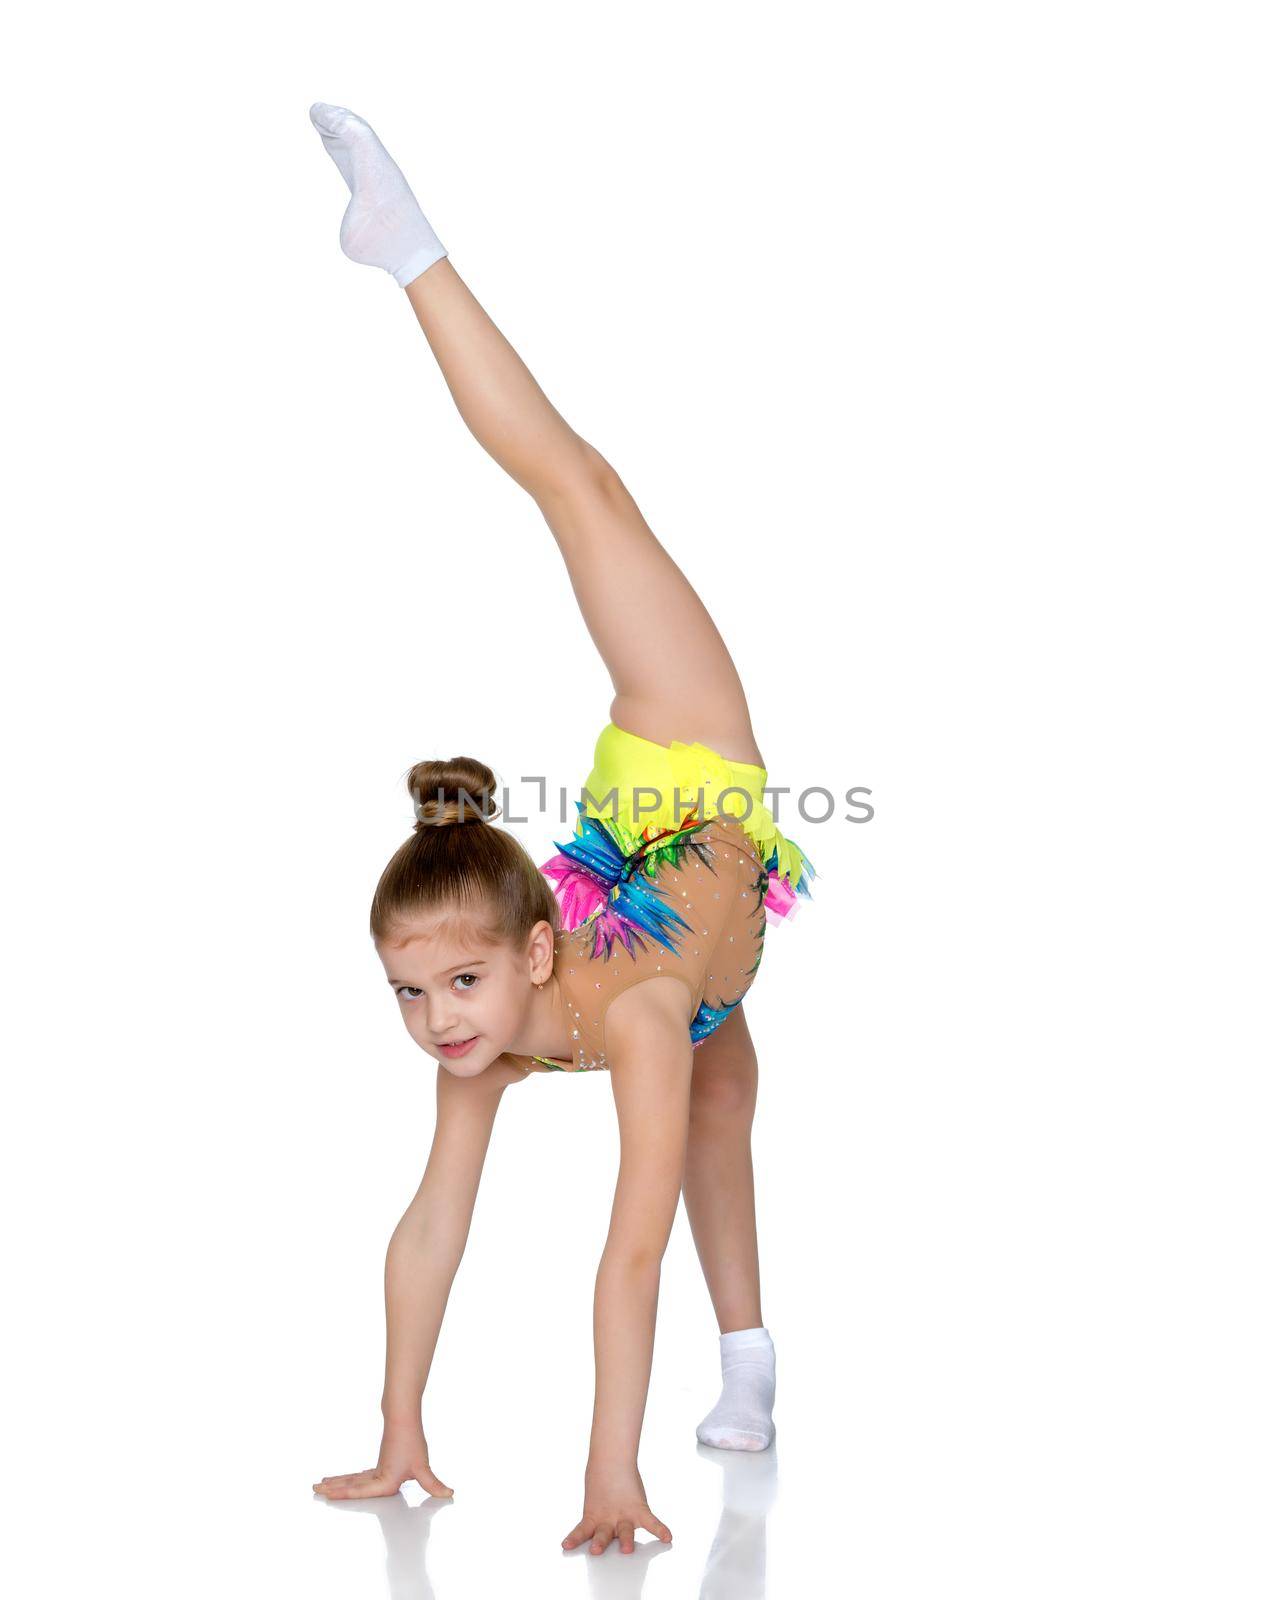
(719, 1180)
(719, 1199)
(673, 676)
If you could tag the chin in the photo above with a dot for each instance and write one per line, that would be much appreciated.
(465, 1067)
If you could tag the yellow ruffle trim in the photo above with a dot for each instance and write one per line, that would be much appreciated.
(637, 767)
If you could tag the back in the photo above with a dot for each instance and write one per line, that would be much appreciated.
(691, 906)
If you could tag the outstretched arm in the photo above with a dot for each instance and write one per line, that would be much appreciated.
(647, 1039)
(427, 1246)
(422, 1259)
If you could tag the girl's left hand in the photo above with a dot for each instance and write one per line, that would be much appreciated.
(615, 1511)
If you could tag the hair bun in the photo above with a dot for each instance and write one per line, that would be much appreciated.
(445, 792)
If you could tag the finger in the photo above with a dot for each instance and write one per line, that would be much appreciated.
(341, 1485)
(602, 1536)
(652, 1524)
(574, 1539)
(432, 1485)
(626, 1537)
(368, 1488)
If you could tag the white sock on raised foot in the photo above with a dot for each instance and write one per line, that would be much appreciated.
(383, 225)
(742, 1419)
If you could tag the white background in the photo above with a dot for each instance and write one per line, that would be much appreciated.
(939, 343)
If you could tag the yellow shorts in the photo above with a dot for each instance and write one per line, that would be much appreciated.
(646, 789)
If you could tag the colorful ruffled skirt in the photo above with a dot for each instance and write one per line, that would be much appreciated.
(640, 802)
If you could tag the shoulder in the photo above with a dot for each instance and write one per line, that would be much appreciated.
(649, 1012)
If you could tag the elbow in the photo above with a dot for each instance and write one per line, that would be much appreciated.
(420, 1242)
(634, 1259)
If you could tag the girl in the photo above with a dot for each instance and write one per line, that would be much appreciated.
(639, 958)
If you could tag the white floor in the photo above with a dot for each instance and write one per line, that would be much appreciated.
(502, 1538)
(957, 1416)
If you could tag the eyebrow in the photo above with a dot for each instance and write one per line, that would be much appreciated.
(462, 966)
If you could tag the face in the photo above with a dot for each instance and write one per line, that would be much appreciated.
(462, 998)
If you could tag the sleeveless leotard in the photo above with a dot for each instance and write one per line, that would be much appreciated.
(681, 890)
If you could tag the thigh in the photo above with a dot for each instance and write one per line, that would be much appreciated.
(725, 1071)
(717, 723)
(672, 674)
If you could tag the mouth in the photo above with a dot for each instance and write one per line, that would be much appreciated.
(458, 1047)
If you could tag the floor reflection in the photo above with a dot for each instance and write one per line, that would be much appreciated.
(735, 1564)
(613, 1576)
(405, 1531)
(735, 1567)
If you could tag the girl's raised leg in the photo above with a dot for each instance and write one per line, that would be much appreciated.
(673, 676)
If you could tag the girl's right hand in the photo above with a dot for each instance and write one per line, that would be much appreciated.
(403, 1457)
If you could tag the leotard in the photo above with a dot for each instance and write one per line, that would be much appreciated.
(675, 867)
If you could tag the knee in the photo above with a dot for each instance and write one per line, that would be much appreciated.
(577, 477)
(724, 1092)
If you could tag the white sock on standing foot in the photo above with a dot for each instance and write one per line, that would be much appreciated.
(742, 1419)
(383, 225)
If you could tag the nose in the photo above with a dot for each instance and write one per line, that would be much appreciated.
(439, 1017)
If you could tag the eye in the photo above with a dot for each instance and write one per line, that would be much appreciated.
(405, 992)
(468, 980)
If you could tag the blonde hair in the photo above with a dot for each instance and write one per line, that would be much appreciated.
(454, 859)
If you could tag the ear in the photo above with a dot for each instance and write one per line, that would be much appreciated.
(541, 949)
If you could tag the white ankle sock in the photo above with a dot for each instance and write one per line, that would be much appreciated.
(384, 225)
(742, 1419)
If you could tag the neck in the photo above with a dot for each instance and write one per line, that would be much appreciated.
(546, 1027)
